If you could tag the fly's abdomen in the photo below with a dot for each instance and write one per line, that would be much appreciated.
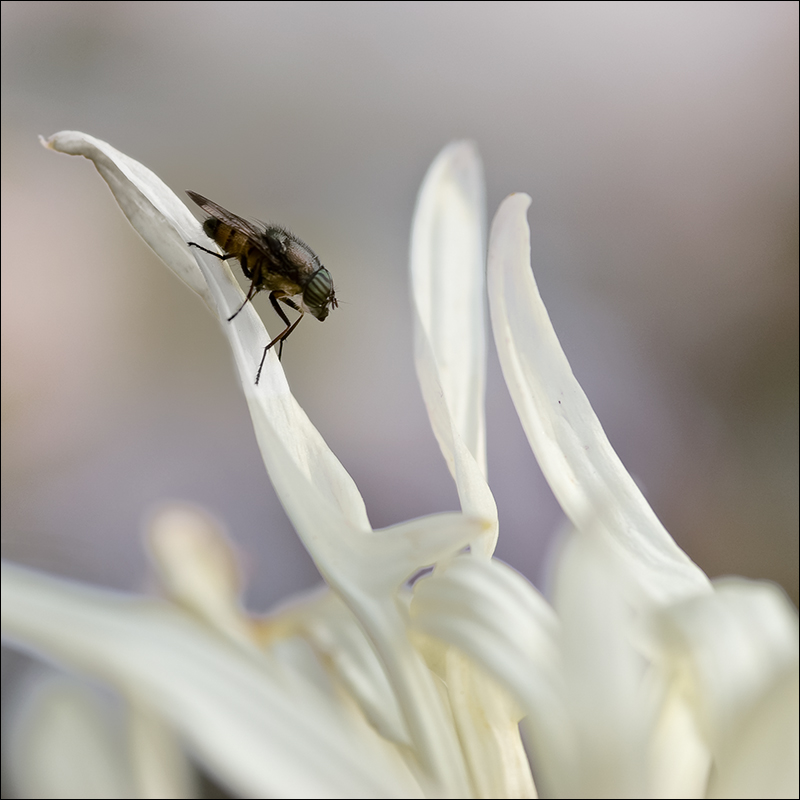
(233, 243)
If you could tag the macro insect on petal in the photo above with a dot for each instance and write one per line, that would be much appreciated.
(274, 260)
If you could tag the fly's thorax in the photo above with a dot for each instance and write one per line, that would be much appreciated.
(318, 294)
(296, 252)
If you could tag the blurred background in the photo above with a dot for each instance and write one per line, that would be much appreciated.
(659, 142)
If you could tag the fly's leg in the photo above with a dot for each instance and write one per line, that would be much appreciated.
(210, 252)
(290, 327)
(284, 334)
(251, 292)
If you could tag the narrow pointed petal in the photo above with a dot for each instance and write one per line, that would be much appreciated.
(319, 496)
(166, 224)
(585, 474)
(151, 207)
(447, 276)
(321, 499)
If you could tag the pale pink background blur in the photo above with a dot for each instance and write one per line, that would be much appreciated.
(657, 140)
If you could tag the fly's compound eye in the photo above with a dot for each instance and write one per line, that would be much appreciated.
(318, 294)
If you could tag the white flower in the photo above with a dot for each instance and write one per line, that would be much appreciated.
(641, 679)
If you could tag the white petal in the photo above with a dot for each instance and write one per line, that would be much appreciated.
(585, 474)
(603, 689)
(167, 225)
(156, 214)
(496, 617)
(761, 755)
(320, 498)
(262, 732)
(197, 568)
(740, 647)
(161, 766)
(576, 675)
(679, 759)
(318, 495)
(487, 719)
(369, 570)
(351, 557)
(447, 276)
(63, 745)
(340, 642)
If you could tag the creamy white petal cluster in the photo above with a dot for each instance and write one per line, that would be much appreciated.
(640, 679)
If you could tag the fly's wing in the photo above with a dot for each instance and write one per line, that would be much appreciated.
(254, 234)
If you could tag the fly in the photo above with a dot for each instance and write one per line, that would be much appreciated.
(274, 260)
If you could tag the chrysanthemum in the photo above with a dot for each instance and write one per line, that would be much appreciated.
(641, 679)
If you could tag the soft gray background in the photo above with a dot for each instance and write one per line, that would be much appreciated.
(659, 144)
